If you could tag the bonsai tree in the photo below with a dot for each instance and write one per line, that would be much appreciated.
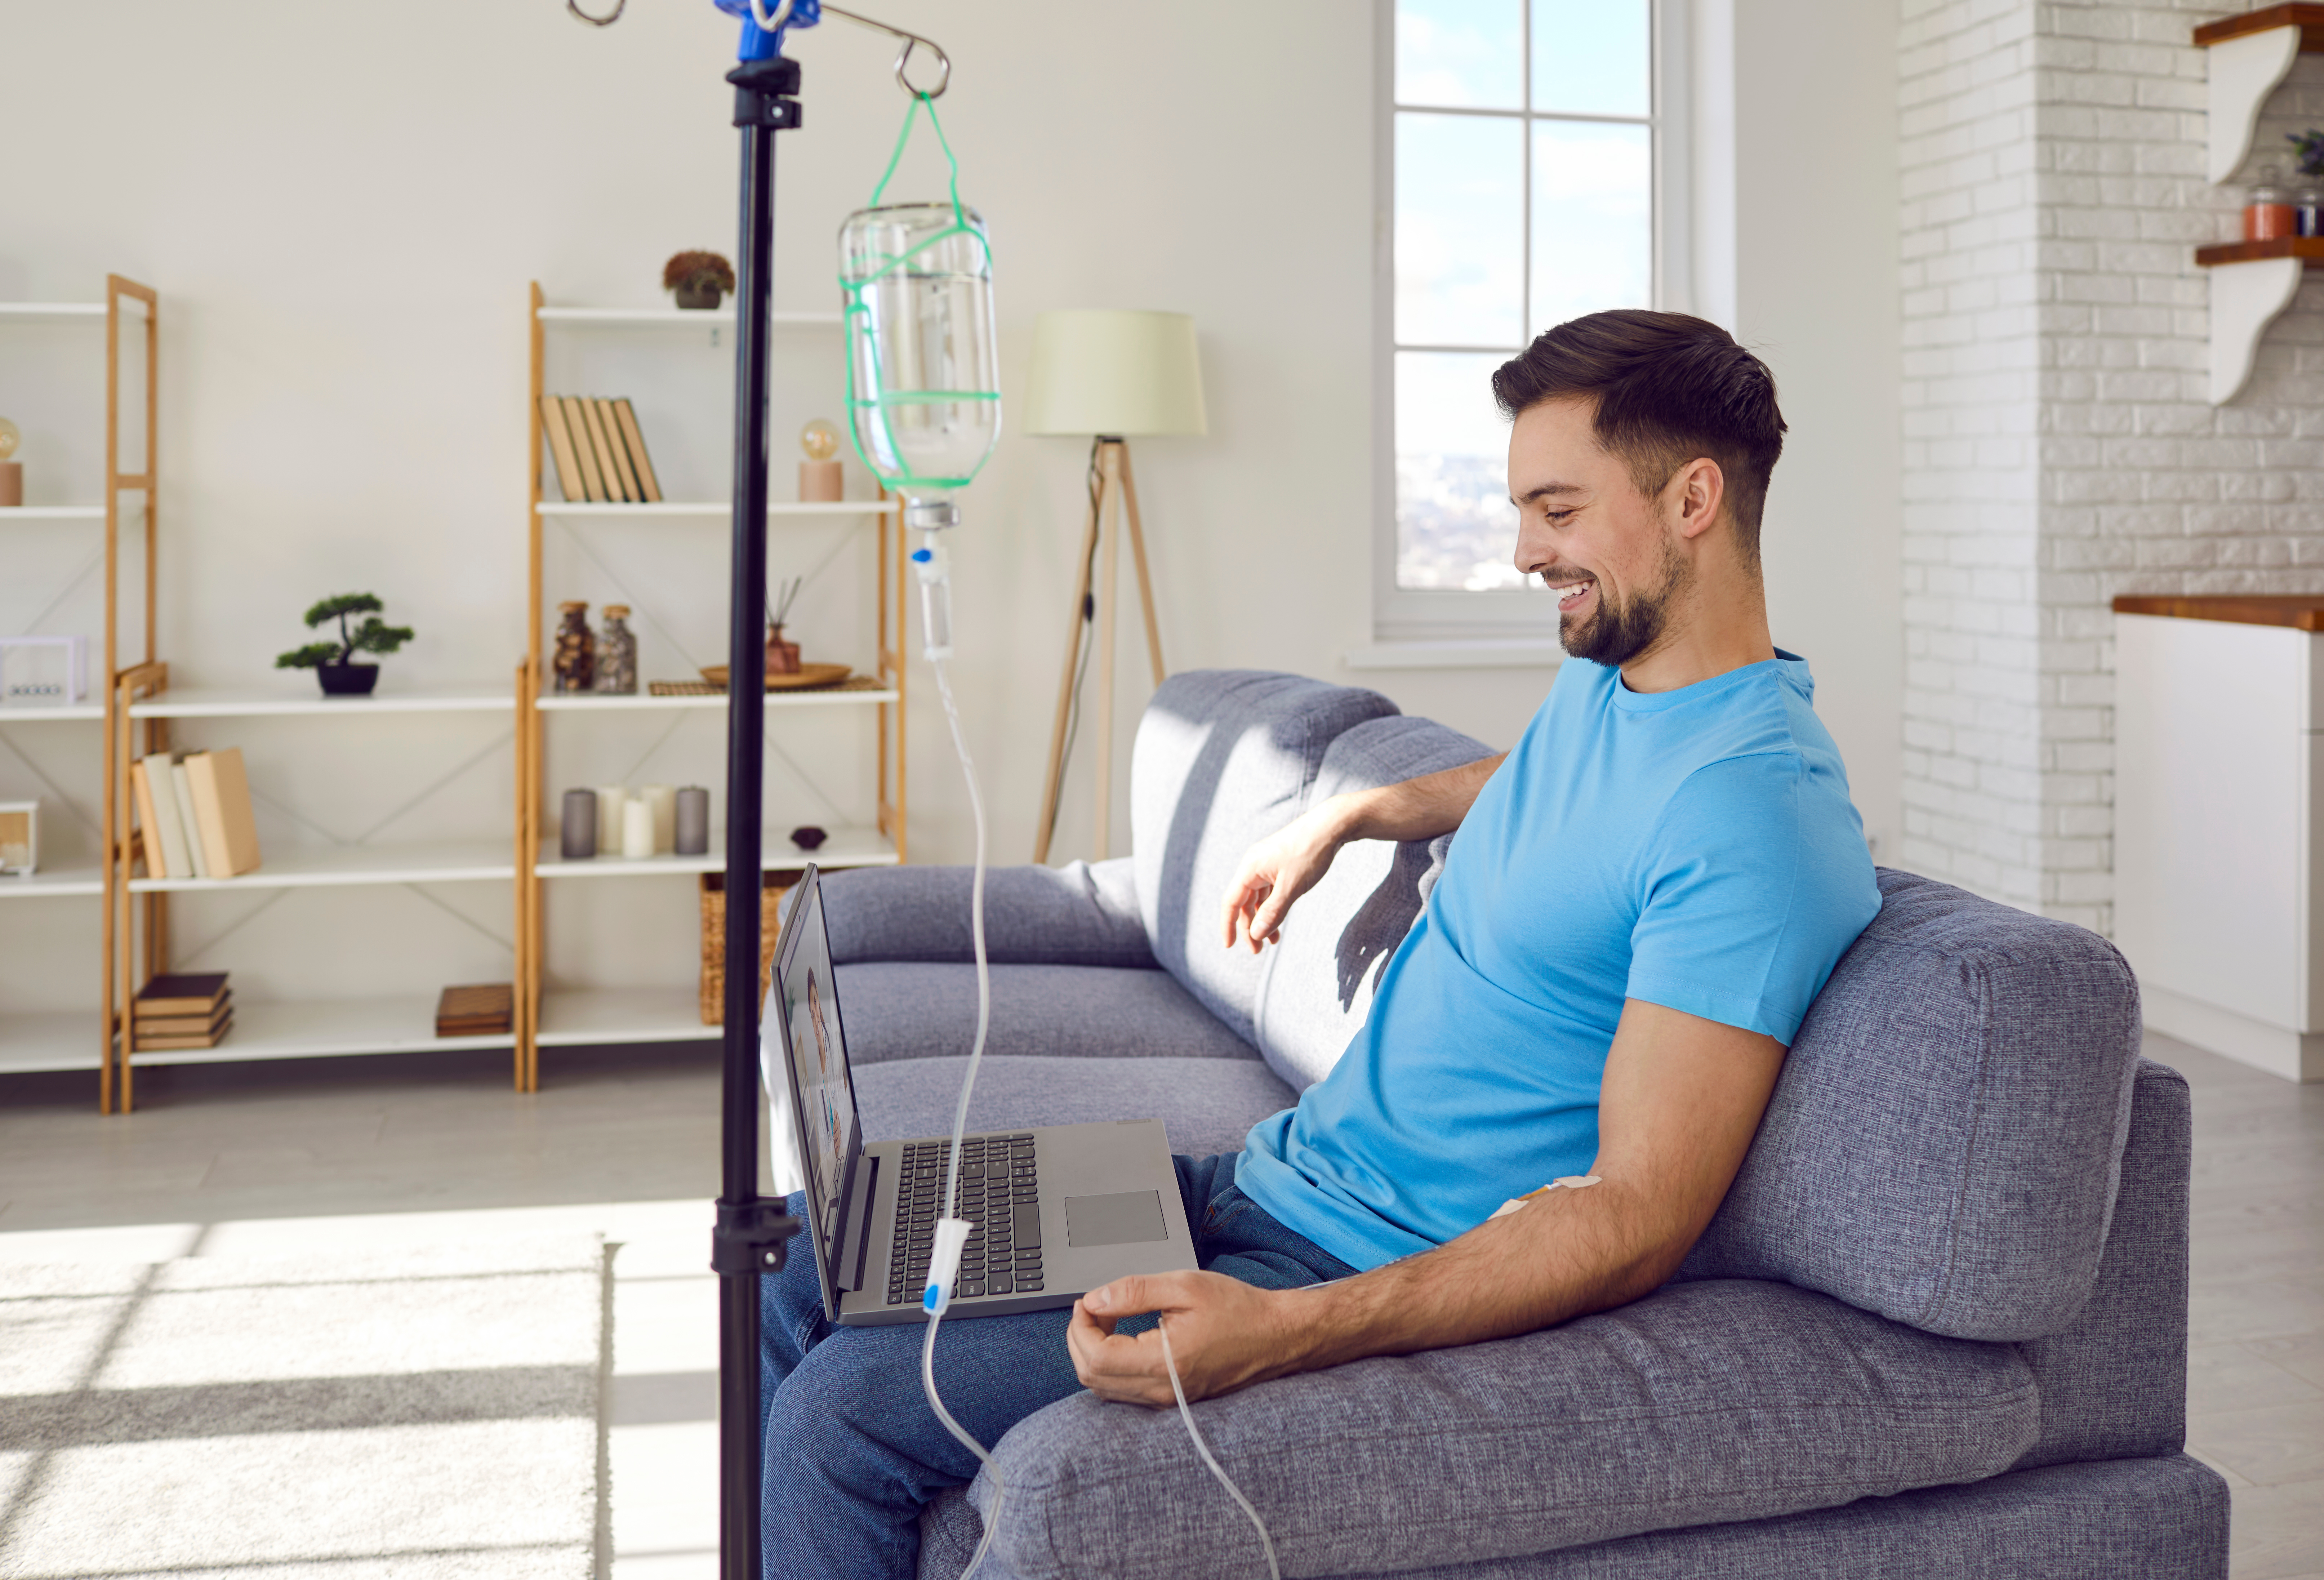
(374, 636)
(699, 279)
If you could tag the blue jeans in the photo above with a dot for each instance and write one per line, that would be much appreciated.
(853, 1451)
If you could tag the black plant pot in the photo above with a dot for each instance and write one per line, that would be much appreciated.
(348, 679)
(698, 295)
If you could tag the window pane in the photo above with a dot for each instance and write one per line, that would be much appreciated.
(1460, 230)
(1467, 53)
(1592, 58)
(1593, 220)
(1454, 524)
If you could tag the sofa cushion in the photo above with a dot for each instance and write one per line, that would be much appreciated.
(2156, 1519)
(1702, 1403)
(2113, 1381)
(926, 1009)
(1205, 1103)
(1075, 915)
(1225, 758)
(1943, 1144)
(1316, 986)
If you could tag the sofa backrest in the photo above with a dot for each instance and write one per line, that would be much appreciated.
(1223, 759)
(1944, 1144)
(1315, 987)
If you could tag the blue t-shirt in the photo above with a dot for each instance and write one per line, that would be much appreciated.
(1694, 848)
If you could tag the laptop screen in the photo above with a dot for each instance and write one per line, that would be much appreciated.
(820, 1084)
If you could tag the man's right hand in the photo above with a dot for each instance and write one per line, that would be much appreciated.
(1278, 870)
(1282, 867)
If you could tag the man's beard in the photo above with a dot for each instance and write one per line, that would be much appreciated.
(1617, 634)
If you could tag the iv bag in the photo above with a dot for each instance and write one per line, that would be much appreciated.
(923, 377)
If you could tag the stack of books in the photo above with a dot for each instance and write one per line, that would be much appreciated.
(599, 451)
(193, 813)
(485, 1010)
(181, 1012)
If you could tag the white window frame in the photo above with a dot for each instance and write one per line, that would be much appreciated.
(1521, 615)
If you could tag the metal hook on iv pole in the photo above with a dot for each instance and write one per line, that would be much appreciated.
(769, 21)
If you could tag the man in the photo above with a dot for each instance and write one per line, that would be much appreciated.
(1645, 895)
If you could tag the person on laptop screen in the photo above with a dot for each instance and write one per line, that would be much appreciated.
(1645, 895)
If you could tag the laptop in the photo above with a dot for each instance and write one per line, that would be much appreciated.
(1059, 1209)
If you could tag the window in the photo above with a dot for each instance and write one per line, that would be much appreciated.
(1520, 161)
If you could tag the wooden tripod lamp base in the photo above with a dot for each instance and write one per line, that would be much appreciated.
(1117, 494)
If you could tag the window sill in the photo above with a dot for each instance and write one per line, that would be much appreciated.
(1470, 653)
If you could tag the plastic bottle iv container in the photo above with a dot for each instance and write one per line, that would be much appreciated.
(924, 385)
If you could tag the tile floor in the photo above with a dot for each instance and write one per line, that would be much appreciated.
(226, 1158)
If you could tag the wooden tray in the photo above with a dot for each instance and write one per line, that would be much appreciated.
(809, 678)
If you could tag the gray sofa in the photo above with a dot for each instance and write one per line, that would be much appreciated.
(1937, 1327)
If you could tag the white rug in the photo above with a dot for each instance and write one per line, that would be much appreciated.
(434, 1415)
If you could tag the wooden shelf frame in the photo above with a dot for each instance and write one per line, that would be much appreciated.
(131, 314)
(535, 866)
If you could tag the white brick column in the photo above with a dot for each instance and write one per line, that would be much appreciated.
(2058, 445)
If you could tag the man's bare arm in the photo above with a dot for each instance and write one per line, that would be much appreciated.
(1279, 869)
(1681, 1099)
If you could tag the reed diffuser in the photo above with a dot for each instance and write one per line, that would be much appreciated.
(782, 657)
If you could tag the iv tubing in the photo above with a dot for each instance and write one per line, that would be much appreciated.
(1202, 1448)
(943, 1274)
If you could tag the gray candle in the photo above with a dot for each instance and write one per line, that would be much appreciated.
(694, 821)
(577, 839)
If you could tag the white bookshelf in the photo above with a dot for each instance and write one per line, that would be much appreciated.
(844, 847)
(325, 1029)
(50, 882)
(713, 509)
(584, 1017)
(829, 697)
(670, 318)
(51, 512)
(48, 1040)
(277, 702)
(51, 309)
(84, 711)
(356, 866)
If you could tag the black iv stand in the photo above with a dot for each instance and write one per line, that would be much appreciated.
(751, 1231)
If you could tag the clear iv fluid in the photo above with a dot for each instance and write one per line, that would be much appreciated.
(924, 386)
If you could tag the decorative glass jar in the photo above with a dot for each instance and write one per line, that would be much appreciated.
(617, 653)
(575, 660)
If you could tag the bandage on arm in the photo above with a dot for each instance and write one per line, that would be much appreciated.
(1567, 1182)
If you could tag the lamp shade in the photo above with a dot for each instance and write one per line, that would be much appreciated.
(1123, 373)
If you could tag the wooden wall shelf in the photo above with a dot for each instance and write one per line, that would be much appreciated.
(2308, 19)
(2307, 249)
(2299, 611)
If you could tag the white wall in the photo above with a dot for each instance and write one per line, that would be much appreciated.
(342, 209)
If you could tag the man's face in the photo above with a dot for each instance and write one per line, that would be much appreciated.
(1603, 549)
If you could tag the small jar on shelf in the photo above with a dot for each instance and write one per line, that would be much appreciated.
(617, 653)
(2268, 212)
(576, 660)
(2307, 207)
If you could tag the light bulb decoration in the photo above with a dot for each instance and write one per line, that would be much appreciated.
(10, 438)
(819, 440)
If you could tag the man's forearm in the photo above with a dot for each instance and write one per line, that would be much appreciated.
(1417, 809)
(1563, 1255)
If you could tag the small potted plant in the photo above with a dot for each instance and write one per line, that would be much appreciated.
(699, 279)
(334, 661)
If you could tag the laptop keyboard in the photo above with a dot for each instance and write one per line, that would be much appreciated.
(1000, 1194)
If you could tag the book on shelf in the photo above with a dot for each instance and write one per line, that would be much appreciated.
(142, 1043)
(480, 1010)
(584, 454)
(222, 817)
(182, 781)
(560, 450)
(157, 808)
(618, 447)
(208, 1025)
(634, 437)
(199, 992)
(615, 493)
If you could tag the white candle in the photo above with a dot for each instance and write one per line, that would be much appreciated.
(663, 799)
(637, 829)
(610, 800)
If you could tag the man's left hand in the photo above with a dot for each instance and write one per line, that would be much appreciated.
(1224, 1334)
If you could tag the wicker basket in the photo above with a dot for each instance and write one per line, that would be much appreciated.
(714, 940)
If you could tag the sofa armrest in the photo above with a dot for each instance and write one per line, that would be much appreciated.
(1703, 1403)
(1076, 915)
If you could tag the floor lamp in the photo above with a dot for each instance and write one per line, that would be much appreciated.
(1114, 376)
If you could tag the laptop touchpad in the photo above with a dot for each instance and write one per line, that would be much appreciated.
(1114, 1220)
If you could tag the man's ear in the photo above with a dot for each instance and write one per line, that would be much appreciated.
(1694, 495)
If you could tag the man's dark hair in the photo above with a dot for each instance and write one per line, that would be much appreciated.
(1668, 388)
